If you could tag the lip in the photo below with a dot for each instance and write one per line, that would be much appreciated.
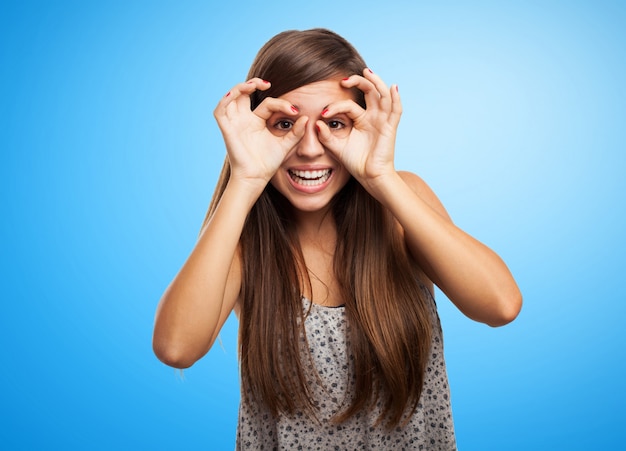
(310, 189)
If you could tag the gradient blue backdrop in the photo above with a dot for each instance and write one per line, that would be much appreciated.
(514, 113)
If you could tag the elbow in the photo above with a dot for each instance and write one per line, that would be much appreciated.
(174, 347)
(509, 307)
(172, 355)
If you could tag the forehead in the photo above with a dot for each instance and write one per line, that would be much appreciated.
(318, 93)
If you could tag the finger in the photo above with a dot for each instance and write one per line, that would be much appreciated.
(255, 84)
(239, 91)
(247, 88)
(372, 96)
(297, 131)
(396, 104)
(381, 88)
(375, 90)
(291, 139)
(326, 137)
(348, 107)
(271, 105)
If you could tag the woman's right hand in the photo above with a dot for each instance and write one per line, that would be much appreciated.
(255, 154)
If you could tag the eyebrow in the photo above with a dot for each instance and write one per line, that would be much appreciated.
(298, 106)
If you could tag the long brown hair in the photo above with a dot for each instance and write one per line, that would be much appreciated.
(390, 324)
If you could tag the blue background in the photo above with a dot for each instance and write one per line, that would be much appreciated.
(514, 113)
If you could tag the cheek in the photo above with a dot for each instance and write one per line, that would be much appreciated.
(279, 181)
(341, 133)
(343, 176)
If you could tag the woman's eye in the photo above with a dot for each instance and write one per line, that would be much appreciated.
(335, 125)
(283, 125)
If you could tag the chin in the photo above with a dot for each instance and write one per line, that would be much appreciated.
(310, 205)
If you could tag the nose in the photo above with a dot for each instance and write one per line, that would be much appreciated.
(310, 145)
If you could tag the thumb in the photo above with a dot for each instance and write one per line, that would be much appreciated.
(297, 131)
(326, 137)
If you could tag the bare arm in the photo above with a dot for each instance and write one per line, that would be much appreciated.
(472, 276)
(195, 306)
(467, 271)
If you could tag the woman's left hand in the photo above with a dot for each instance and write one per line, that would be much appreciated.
(367, 151)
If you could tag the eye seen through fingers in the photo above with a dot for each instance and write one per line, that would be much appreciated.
(339, 126)
(280, 126)
(335, 125)
(283, 125)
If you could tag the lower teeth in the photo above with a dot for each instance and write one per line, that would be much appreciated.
(310, 182)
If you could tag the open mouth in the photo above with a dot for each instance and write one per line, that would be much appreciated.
(310, 178)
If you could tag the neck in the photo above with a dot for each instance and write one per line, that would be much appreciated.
(313, 227)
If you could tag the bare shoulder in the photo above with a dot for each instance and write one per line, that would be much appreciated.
(421, 188)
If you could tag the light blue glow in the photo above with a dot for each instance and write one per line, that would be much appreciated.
(514, 112)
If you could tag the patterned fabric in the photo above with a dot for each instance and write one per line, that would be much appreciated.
(430, 427)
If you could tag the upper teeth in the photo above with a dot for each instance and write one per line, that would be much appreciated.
(311, 175)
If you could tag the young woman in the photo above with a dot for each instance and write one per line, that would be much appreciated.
(328, 257)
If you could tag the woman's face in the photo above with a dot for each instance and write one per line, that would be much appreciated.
(310, 176)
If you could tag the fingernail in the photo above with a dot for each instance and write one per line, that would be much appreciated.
(344, 79)
(318, 128)
(370, 70)
(249, 82)
(397, 89)
(227, 94)
(294, 109)
(265, 81)
(324, 111)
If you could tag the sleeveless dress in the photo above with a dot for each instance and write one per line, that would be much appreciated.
(429, 428)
